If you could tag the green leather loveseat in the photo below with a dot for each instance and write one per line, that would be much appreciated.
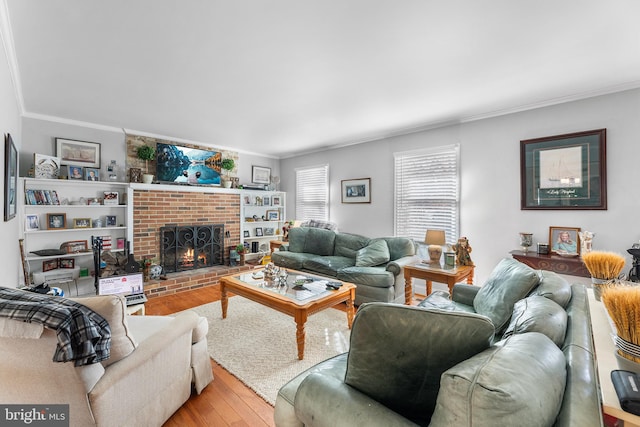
(515, 352)
(375, 266)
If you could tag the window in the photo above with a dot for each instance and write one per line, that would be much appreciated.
(427, 192)
(312, 193)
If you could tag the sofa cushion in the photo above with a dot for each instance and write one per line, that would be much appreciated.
(538, 314)
(441, 300)
(376, 277)
(327, 265)
(419, 345)
(319, 241)
(554, 287)
(509, 282)
(509, 384)
(292, 260)
(349, 244)
(399, 247)
(113, 309)
(297, 237)
(375, 253)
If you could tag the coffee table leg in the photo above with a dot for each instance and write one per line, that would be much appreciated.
(350, 309)
(301, 319)
(224, 301)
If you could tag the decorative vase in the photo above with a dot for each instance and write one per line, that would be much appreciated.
(226, 183)
(241, 259)
(526, 240)
(147, 178)
(597, 285)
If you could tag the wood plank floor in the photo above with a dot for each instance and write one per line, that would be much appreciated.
(224, 402)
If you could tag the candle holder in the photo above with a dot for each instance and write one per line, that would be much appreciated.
(526, 240)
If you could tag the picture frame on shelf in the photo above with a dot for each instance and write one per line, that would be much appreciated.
(246, 233)
(273, 215)
(356, 190)
(564, 241)
(10, 178)
(91, 174)
(269, 231)
(66, 263)
(247, 200)
(564, 172)
(276, 200)
(259, 232)
(75, 246)
(110, 221)
(49, 264)
(31, 222)
(75, 172)
(46, 167)
(81, 222)
(56, 221)
(74, 152)
(110, 198)
(260, 175)
(266, 201)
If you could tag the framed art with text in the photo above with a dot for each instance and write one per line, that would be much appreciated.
(564, 171)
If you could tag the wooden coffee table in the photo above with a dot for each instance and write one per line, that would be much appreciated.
(299, 304)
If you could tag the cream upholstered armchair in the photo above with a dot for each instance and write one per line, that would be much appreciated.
(155, 362)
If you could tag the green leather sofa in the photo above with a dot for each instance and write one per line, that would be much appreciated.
(375, 266)
(516, 351)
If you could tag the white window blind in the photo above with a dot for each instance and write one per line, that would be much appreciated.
(427, 192)
(312, 193)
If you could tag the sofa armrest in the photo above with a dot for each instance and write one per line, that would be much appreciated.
(464, 294)
(396, 266)
(322, 400)
(284, 247)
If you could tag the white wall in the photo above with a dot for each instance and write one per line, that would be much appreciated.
(490, 177)
(9, 123)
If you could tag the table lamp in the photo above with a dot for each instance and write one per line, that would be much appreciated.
(435, 239)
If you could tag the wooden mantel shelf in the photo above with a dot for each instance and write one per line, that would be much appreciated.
(561, 265)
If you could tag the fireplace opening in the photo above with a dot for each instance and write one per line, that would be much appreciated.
(189, 247)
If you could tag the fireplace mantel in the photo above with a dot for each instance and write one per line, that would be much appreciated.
(183, 188)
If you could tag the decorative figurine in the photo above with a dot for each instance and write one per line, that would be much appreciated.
(586, 240)
(462, 250)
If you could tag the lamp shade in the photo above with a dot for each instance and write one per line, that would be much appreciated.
(435, 237)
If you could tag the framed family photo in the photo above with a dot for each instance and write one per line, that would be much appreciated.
(564, 240)
(564, 171)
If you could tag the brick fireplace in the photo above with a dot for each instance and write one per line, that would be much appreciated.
(153, 209)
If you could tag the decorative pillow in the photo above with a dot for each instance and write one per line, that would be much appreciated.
(113, 309)
(375, 253)
(509, 282)
(554, 287)
(538, 314)
(519, 381)
(398, 353)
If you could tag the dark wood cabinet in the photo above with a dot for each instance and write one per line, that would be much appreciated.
(572, 266)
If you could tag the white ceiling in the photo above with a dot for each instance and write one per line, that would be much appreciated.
(287, 76)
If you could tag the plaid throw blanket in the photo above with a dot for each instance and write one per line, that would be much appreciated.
(84, 336)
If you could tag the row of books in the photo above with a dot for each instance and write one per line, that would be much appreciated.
(41, 197)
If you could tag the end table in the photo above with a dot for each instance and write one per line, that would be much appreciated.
(435, 273)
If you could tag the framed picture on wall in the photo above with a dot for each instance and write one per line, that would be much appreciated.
(10, 177)
(564, 171)
(356, 190)
(83, 153)
(260, 175)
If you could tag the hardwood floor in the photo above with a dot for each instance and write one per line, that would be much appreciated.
(224, 402)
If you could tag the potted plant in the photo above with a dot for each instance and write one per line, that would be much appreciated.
(228, 165)
(241, 250)
(146, 153)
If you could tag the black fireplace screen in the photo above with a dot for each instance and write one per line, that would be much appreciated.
(188, 247)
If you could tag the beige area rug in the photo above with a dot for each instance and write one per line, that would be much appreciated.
(258, 344)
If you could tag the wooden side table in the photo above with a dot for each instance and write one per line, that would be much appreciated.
(432, 273)
(275, 244)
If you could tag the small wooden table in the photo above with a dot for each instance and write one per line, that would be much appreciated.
(275, 244)
(288, 300)
(435, 273)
